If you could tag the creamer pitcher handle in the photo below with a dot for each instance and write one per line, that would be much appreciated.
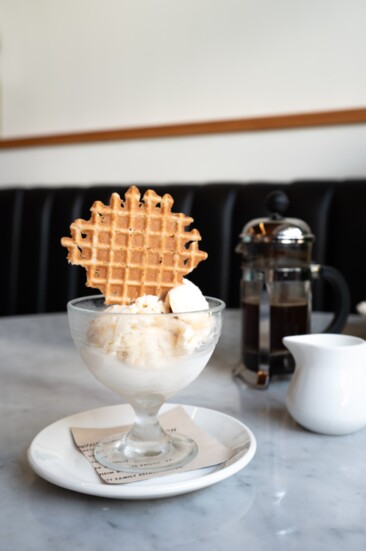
(341, 294)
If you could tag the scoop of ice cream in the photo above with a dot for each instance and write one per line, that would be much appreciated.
(186, 298)
(151, 340)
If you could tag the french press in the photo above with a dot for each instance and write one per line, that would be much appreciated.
(276, 291)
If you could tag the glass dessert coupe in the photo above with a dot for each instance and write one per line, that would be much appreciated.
(145, 358)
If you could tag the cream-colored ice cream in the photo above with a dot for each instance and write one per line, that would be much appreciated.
(151, 345)
(151, 340)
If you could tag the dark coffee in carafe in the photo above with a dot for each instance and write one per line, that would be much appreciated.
(286, 319)
(250, 333)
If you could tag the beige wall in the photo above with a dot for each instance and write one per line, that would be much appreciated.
(90, 64)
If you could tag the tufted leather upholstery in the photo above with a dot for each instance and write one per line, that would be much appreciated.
(35, 276)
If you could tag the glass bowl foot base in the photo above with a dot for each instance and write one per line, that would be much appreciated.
(118, 454)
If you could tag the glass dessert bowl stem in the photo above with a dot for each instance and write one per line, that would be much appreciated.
(146, 359)
(146, 446)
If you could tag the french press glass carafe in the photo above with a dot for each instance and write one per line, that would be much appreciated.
(276, 291)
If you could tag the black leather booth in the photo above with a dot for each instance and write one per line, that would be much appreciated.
(35, 276)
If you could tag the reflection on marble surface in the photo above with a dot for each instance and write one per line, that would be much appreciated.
(301, 491)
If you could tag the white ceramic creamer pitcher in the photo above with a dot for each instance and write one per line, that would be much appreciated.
(327, 392)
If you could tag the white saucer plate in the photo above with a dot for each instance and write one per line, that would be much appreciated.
(54, 457)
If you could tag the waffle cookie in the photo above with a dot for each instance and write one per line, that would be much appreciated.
(134, 247)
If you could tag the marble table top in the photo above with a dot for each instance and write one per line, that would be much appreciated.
(302, 491)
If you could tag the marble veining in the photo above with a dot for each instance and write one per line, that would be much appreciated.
(301, 491)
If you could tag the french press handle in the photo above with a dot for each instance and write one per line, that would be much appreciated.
(342, 299)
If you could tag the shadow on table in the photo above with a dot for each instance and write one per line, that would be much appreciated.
(183, 519)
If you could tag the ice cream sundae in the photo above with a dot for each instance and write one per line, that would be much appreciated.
(152, 331)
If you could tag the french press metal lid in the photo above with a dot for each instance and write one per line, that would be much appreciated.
(276, 241)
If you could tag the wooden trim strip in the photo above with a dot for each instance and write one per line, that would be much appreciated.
(275, 122)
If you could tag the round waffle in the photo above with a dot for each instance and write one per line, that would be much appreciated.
(134, 247)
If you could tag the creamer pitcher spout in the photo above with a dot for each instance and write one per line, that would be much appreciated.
(302, 347)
